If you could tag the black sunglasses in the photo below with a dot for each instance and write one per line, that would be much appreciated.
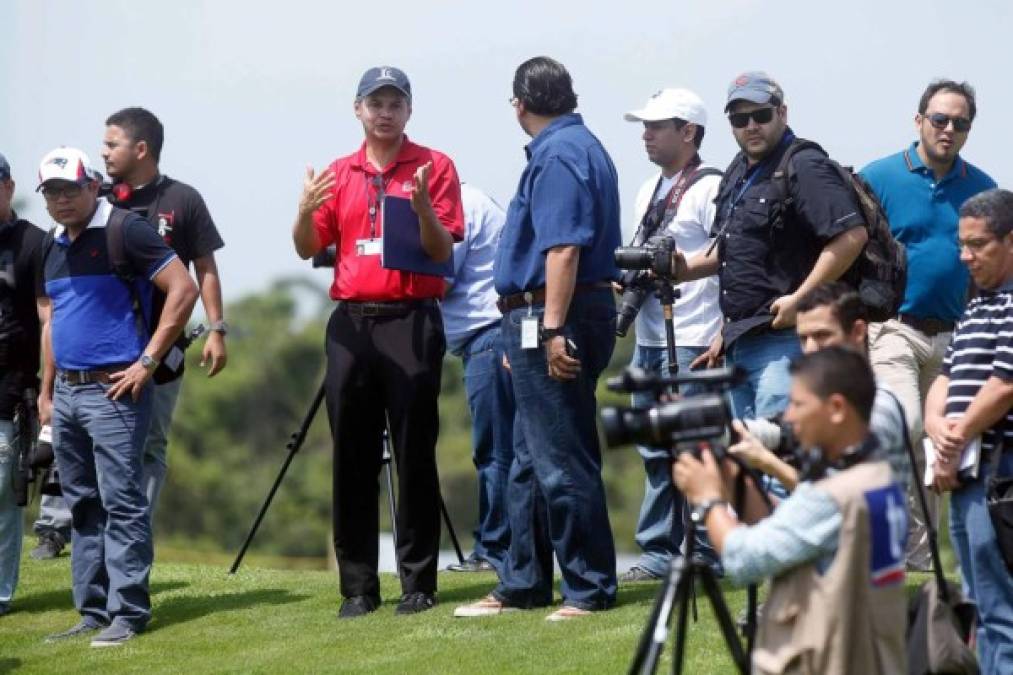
(941, 121)
(760, 116)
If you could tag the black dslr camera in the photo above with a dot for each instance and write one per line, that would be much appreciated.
(654, 256)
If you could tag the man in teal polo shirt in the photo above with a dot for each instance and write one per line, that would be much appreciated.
(922, 189)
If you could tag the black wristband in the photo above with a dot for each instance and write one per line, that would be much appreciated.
(547, 334)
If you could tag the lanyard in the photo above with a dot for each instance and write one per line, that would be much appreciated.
(380, 186)
(737, 198)
(666, 210)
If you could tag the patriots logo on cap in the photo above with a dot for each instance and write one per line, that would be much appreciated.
(59, 161)
(657, 93)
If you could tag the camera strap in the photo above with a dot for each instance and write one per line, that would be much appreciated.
(660, 213)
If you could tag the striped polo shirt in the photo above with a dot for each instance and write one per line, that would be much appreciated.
(982, 347)
(93, 324)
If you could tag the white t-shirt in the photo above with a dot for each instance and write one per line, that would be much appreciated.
(697, 316)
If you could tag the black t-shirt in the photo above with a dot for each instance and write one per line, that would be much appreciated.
(179, 214)
(19, 319)
(760, 262)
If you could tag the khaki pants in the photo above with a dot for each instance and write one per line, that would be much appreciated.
(907, 361)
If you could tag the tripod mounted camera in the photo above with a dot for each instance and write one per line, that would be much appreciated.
(686, 425)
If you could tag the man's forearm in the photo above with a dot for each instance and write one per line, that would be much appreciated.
(935, 400)
(560, 280)
(305, 236)
(48, 362)
(436, 240)
(209, 284)
(700, 266)
(990, 404)
(835, 258)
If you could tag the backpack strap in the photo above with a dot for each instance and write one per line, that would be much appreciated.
(780, 179)
(117, 252)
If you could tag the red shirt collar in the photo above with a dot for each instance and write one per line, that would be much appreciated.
(409, 152)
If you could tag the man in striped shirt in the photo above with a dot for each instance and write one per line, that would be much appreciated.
(971, 398)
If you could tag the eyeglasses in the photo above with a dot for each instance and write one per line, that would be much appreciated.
(941, 121)
(760, 116)
(52, 193)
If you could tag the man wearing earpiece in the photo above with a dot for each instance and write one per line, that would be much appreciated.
(131, 149)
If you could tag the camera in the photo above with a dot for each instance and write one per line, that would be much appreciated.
(325, 257)
(655, 255)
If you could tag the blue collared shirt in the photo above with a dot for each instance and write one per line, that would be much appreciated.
(923, 215)
(470, 304)
(568, 195)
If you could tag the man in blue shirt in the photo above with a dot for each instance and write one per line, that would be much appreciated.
(922, 189)
(553, 273)
(471, 322)
(98, 359)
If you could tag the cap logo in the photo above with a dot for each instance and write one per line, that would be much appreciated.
(385, 74)
(657, 94)
(741, 80)
(59, 161)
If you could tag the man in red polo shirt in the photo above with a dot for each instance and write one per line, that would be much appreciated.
(384, 341)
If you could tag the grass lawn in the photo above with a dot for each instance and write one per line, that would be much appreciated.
(266, 620)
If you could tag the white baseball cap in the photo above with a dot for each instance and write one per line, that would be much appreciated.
(668, 104)
(68, 164)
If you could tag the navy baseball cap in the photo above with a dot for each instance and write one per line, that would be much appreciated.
(383, 76)
(5, 168)
(756, 87)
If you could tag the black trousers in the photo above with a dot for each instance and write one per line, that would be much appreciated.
(378, 365)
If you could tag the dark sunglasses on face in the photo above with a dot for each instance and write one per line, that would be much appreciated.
(53, 192)
(760, 116)
(941, 121)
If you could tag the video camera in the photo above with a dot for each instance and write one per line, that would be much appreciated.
(35, 458)
(653, 256)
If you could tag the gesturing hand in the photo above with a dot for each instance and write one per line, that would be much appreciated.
(315, 191)
(421, 201)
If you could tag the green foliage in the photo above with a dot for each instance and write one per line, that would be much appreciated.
(230, 432)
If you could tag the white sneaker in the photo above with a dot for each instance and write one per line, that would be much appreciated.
(565, 613)
(487, 606)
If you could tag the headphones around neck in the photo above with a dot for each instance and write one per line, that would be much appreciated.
(122, 192)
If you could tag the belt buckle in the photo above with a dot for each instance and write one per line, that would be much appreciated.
(370, 309)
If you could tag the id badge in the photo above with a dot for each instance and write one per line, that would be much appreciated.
(529, 332)
(368, 246)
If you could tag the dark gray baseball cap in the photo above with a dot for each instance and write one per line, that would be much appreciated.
(5, 168)
(383, 76)
(756, 87)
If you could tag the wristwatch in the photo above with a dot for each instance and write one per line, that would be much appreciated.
(220, 327)
(148, 362)
(549, 333)
(698, 514)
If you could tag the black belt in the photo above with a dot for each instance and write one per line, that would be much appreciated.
(537, 296)
(101, 375)
(927, 325)
(393, 308)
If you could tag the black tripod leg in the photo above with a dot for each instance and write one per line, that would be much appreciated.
(450, 530)
(685, 589)
(293, 447)
(386, 460)
(724, 618)
(652, 640)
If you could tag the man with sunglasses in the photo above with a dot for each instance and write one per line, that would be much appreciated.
(96, 387)
(385, 340)
(767, 257)
(921, 189)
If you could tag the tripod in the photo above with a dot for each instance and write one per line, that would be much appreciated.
(295, 443)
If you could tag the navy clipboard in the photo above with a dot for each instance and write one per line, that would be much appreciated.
(402, 243)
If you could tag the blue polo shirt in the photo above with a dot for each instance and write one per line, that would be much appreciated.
(93, 324)
(923, 215)
(568, 195)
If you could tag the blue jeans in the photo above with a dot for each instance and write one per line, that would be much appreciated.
(10, 515)
(99, 444)
(164, 397)
(556, 495)
(54, 516)
(765, 357)
(985, 578)
(661, 525)
(491, 402)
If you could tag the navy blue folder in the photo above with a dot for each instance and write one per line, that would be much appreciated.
(402, 243)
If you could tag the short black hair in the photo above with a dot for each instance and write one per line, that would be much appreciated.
(838, 370)
(995, 207)
(841, 298)
(140, 125)
(697, 137)
(963, 88)
(544, 87)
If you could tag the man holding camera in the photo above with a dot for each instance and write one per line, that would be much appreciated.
(19, 366)
(384, 341)
(679, 203)
(970, 402)
(921, 190)
(834, 548)
(767, 254)
(554, 274)
(99, 358)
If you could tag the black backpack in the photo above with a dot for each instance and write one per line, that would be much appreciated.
(879, 274)
(170, 367)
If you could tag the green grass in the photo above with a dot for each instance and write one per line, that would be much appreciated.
(267, 620)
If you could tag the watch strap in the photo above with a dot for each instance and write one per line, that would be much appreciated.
(700, 511)
(547, 334)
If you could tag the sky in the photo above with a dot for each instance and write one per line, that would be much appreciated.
(251, 93)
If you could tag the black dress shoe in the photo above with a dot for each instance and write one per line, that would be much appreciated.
(358, 605)
(413, 603)
(471, 564)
